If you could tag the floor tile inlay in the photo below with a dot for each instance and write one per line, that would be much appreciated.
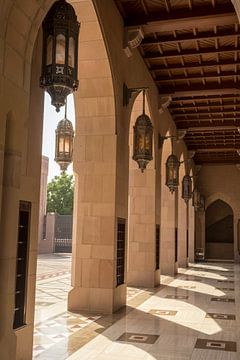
(216, 345)
(221, 316)
(138, 338)
(222, 299)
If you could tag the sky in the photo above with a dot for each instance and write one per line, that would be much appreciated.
(50, 121)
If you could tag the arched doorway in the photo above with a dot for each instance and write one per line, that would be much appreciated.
(219, 231)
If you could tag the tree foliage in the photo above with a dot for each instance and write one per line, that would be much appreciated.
(60, 194)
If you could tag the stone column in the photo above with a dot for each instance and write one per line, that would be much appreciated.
(9, 233)
(142, 229)
(167, 232)
(182, 231)
(100, 179)
(191, 232)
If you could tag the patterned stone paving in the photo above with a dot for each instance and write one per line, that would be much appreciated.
(176, 321)
(51, 294)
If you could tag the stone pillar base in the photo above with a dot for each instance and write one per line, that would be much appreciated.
(99, 300)
(147, 279)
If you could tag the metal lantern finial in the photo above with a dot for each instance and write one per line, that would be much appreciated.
(60, 52)
(186, 188)
(142, 141)
(64, 142)
(172, 172)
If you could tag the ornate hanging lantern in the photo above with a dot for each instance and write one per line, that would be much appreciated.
(60, 52)
(142, 141)
(172, 172)
(64, 143)
(186, 188)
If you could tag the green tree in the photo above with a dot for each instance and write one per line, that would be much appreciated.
(60, 194)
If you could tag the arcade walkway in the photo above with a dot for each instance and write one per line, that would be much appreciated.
(193, 316)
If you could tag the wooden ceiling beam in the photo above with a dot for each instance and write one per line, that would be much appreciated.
(165, 40)
(161, 79)
(196, 98)
(203, 113)
(189, 66)
(195, 90)
(191, 52)
(213, 149)
(180, 19)
(191, 106)
(196, 129)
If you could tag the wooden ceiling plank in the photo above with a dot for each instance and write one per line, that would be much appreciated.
(200, 16)
(190, 37)
(192, 52)
(194, 65)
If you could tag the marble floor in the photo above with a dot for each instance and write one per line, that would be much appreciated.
(194, 315)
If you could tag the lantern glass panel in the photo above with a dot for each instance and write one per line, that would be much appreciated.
(71, 47)
(61, 144)
(60, 49)
(148, 143)
(67, 144)
(49, 50)
(141, 142)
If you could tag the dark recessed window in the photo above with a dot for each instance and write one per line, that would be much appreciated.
(157, 247)
(121, 228)
(21, 264)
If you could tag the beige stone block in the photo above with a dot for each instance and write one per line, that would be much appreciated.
(78, 299)
(15, 40)
(32, 263)
(90, 31)
(109, 148)
(97, 125)
(120, 294)
(94, 148)
(92, 188)
(24, 342)
(107, 274)
(139, 232)
(103, 209)
(14, 66)
(31, 285)
(146, 247)
(107, 230)
(101, 300)
(91, 230)
(90, 273)
(7, 275)
(92, 50)
(98, 87)
(76, 279)
(102, 252)
(85, 10)
(139, 179)
(93, 107)
(29, 7)
(20, 21)
(84, 251)
(108, 193)
(139, 206)
(95, 68)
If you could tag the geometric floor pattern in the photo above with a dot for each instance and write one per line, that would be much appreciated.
(179, 320)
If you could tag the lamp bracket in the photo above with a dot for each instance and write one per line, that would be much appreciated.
(128, 92)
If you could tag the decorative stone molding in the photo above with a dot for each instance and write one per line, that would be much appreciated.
(132, 39)
(236, 4)
(163, 103)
